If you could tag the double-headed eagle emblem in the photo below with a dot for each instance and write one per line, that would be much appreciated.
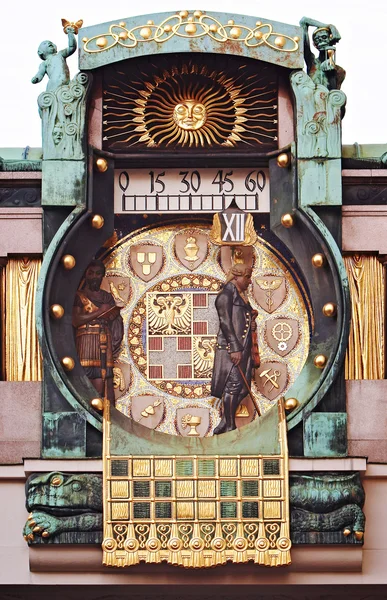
(170, 314)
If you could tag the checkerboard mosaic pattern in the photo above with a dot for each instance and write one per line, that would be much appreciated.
(196, 510)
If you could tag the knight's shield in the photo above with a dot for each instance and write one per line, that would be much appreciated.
(191, 248)
(269, 291)
(282, 334)
(119, 288)
(231, 255)
(193, 422)
(271, 379)
(147, 410)
(146, 260)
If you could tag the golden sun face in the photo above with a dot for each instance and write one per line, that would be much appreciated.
(190, 104)
(190, 115)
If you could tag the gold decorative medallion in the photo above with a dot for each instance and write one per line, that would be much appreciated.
(193, 422)
(119, 288)
(147, 410)
(121, 378)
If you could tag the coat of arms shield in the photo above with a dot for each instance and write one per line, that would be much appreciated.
(146, 260)
(269, 291)
(282, 334)
(191, 248)
(147, 410)
(271, 378)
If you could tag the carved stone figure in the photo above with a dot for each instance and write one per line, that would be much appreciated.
(322, 69)
(54, 63)
(63, 112)
(64, 508)
(62, 106)
(233, 364)
(318, 117)
(99, 330)
(324, 503)
(59, 503)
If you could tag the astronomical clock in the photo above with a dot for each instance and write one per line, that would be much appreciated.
(194, 305)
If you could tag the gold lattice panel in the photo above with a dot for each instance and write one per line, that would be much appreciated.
(196, 511)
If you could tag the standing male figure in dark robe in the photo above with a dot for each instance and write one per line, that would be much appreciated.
(233, 347)
(99, 330)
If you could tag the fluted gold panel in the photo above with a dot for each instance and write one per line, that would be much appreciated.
(207, 510)
(141, 468)
(120, 489)
(184, 489)
(120, 510)
(365, 354)
(206, 489)
(272, 488)
(22, 353)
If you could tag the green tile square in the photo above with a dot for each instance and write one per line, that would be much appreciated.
(163, 510)
(141, 489)
(271, 467)
(250, 488)
(250, 510)
(228, 510)
(119, 468)
(206, 468)
(141, 510)
(163, 489)
(228, 488)
(184, 468)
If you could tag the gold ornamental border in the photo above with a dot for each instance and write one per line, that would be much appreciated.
(190, 25)
(191, 538)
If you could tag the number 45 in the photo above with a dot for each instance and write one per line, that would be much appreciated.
(222, 182)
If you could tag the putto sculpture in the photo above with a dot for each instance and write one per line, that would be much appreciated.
(62, 106)
(54, 63)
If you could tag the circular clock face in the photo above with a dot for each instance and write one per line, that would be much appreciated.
(166, 281)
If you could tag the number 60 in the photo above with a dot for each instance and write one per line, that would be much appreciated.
(258, 182)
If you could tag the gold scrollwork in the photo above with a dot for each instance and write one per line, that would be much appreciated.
(191, 26)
